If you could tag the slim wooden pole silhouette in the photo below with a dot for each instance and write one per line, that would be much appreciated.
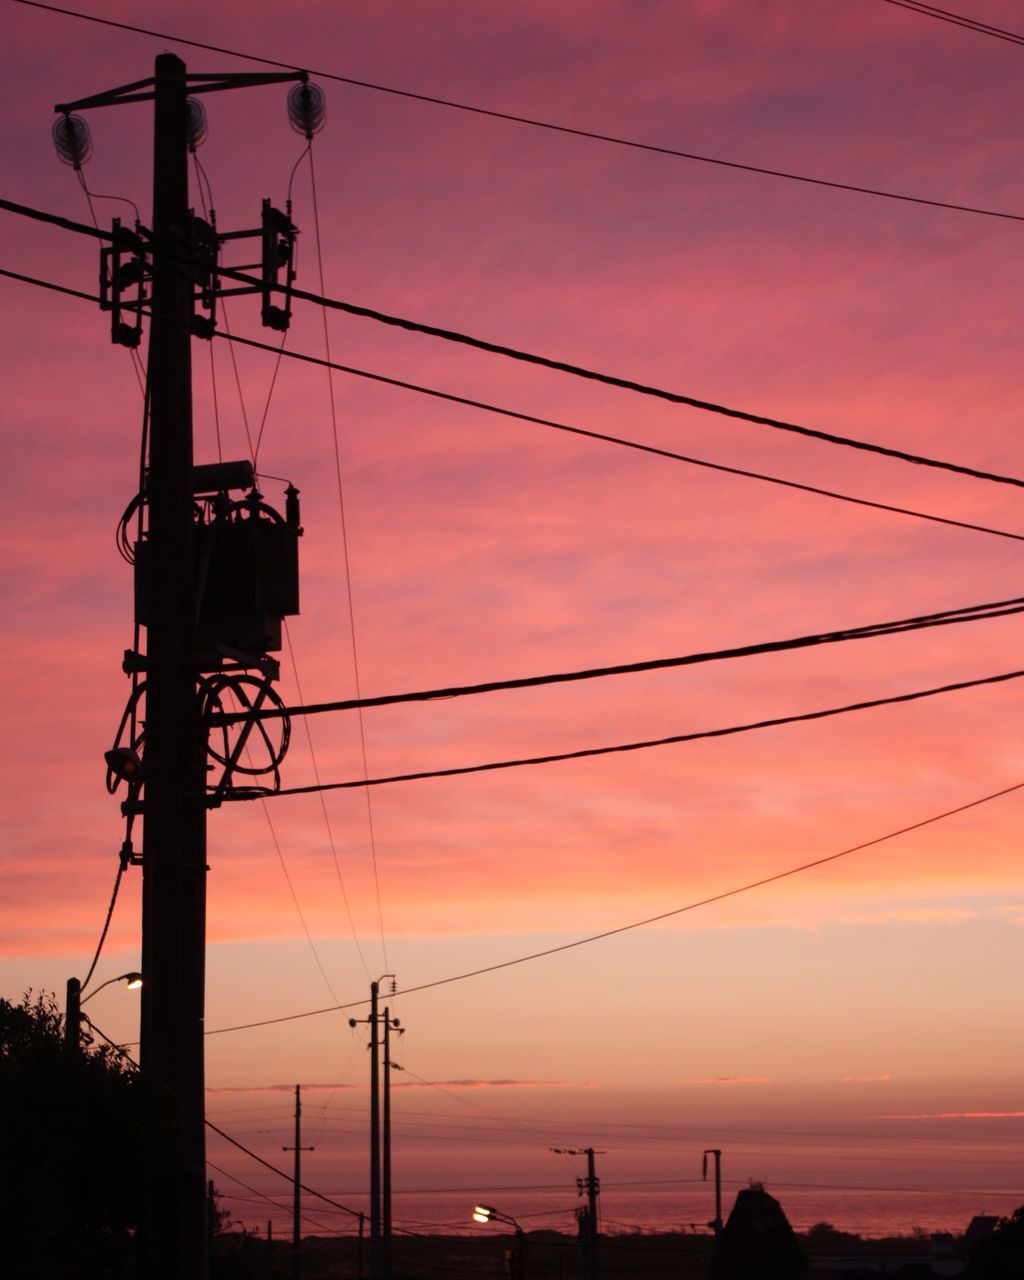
(386, 1172)
(174, 817)
(716, 1225)
(592, 1190)
(297, 1189)
(376, 1252)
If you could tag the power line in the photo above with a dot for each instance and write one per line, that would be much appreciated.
(106, 927)
(323, 809)
(949, 617)
(622, 442)
(638, 924)
(958, 20)
(253, 450)
(370, 825)
(280, 1172)
(259, 1195)
(627, 384)
(544, 362)
(295, 900)
(589, 434)
(585, 753)
(547, 125)
(506, 1123)
(48, 284)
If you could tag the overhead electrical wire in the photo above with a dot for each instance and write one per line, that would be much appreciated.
(323, 808)
(773, 1149)
(547, 125)
(559, 366)
(335, 437)
(629, 384)
(604, 437)
(958, 20)
(622, 442)
(295, 900)
(48, 284)
(280, 1172)
(646, 744)
(206, 199)
(260, 1196)
(507, 1123)
(105, 930)
(208, 205)
(870, 631)
(639, 924)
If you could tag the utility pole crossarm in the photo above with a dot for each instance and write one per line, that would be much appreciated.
(196, 82)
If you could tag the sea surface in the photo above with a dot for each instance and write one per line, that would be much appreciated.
(868, 1213)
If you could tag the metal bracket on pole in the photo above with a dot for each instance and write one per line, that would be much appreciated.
(123, 266)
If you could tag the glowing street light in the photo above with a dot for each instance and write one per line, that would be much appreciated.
(131, 980)
(516, 1256)
(73, 1005)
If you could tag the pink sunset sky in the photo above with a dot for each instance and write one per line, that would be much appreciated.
(857, 1025)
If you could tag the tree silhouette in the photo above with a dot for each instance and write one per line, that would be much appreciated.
(79, 1135)
(1001, 1255)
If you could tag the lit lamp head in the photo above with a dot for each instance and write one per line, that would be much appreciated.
(482, 1213)
(131, 980)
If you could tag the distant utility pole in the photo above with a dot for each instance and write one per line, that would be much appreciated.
(589, 1186)
(297, 1189)
(174, 266)
(716, 1225)
(380, 1153)
(386, 1161)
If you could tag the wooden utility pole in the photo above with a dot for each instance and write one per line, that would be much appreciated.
(376, 1252)
(587, 1218)
(386, 1170)
(380, 1186)
(297, 1189)
(173, 1236)
(592, 1191)
(716, 1224)
(174, 830)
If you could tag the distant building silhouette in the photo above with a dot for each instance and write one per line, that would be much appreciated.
(757, 1242)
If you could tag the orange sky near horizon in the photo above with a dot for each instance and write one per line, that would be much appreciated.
(874, 998)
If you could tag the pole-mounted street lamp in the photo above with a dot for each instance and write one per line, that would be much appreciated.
(73, 1005)
(517, 1255)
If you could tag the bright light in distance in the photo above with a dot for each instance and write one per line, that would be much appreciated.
(481, 1213)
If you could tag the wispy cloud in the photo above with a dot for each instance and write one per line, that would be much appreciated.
(396, 1084)
(916, 915)
(730, 1080)
(959, 1115)
(865, 1079)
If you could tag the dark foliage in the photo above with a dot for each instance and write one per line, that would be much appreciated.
(79, 1133)
(1001, 1255)
(825, 1238)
